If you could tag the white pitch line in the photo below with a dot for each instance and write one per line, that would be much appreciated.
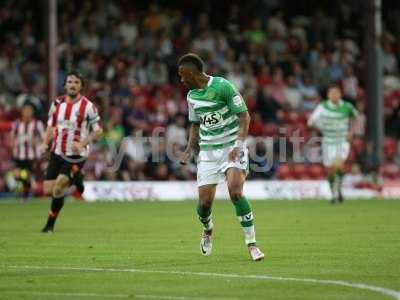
(381, 290)
(119, 296)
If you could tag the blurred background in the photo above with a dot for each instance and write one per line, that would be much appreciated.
(281, 55)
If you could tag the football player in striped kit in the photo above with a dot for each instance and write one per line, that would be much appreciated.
(334, 119)
(26, 134)
(72, 126)
(219, 125)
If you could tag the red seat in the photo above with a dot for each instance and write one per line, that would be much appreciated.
(358, 146)
(300, 171)
(390, 148)
(271, 129)
(390, 170)
(284, 172)
(316, 171)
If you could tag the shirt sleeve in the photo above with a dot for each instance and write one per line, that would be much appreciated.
(40, 129)
(315, 116)
(93, 117)
(353, 113)
(233, 98)
(192, 114)
(14, 127)
(51, 113)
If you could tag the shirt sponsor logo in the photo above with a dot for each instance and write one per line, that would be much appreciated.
(211, 120)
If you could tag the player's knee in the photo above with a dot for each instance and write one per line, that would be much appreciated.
(206, 203)
(58, 190)
(235, 193)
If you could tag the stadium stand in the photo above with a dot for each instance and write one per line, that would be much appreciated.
(282, 63)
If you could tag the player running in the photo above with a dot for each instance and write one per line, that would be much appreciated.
(70, 118)
(333, 118)
(26, 134)
(219, 126)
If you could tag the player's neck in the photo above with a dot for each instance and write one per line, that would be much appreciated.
(73, 99)
(202, 81)
(26, 119)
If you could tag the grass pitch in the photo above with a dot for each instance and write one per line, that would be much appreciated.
(150, 250)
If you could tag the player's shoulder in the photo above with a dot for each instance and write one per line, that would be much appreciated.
(218, 80)
(88, 101)
(60, 99)
(348, 104)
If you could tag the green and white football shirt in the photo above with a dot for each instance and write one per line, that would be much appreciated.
(216, 108)
(333, 120)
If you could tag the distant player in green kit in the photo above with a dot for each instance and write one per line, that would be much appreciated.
(219, 126)
(333, 118)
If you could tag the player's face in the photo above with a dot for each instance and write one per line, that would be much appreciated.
(187, 77)
(334, 95)
(27, 112)
(73, 85)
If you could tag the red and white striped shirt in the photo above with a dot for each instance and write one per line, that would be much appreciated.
(72, 122)
(27, 137)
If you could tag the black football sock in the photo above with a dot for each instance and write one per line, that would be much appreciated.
(55, 208)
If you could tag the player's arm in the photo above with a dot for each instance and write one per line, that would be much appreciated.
(13, 135)
(237, 106)
(315, 118)
(49, 133)
(353, 115)
(193, 141)
(95, 134)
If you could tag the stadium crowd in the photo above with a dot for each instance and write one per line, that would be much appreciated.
(281, 57)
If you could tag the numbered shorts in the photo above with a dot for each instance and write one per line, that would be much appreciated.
(212, 165)
(331, 153)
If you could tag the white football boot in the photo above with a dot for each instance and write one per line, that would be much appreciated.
(206, 243)
(255, 253)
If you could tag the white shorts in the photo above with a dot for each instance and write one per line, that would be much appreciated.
(332, 153)
(212, 165)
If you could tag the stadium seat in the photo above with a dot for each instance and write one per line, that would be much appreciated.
(358, 145)
(390, 170)
(285, 172)
(390, 148)
(316, 171)
(300, 171)
(271, 129)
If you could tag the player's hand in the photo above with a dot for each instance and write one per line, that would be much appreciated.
(349, 136)
(77, 147)
(185, 157)
(234, 154)
(44, 151)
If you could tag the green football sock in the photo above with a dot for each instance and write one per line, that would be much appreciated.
(333, 184)
(204, 214)
(339, 178)
(245, 216)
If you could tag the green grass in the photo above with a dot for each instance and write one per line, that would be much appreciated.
(358, 242)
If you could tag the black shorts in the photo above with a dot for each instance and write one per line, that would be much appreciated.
(63, 165)
(25, 164)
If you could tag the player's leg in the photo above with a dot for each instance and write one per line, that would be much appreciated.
(26, 177)
(235, 179)
(48, 187)
(204, 207)
(61, 183)
(333, 184)
(56, 181)
(343, 150)
(329, 155)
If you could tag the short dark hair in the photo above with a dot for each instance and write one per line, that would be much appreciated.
(334, 86)
(76, 74)
(192, 59)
